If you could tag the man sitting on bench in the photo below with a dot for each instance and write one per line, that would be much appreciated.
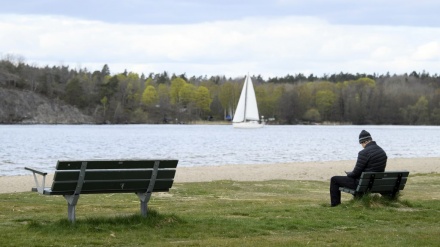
(371, 158)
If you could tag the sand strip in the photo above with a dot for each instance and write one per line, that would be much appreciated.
(289, 171)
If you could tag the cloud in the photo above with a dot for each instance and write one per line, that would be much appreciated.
(259, 45)
(359, 12)
(428, 51)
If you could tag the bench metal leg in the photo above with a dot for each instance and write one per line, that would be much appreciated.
(145, 197)
(397, 186)
(40, 188)
(71, 212)
(72, 200)
(144, 208)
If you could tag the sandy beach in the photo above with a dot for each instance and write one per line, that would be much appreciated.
(287, 171)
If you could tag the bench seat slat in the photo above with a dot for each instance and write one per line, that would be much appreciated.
(345, 189)
(67, 175)
(364, 189)
(114, 164)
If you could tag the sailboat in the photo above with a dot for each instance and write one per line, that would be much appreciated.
(246, 115)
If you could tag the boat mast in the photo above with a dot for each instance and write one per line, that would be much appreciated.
(245, 96)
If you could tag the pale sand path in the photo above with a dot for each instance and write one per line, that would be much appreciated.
(288, 171)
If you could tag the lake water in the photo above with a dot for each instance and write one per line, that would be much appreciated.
(40, 146)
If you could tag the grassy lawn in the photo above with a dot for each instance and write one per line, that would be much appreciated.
(228, 213)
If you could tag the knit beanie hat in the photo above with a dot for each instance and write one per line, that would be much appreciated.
(364, 136)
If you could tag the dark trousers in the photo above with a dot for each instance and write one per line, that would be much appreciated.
(340, 181)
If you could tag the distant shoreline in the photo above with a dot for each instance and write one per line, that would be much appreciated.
(200, 122)
(320, 171)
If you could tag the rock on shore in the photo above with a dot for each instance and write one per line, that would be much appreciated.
(27, 107)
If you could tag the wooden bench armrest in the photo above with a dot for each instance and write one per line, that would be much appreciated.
(39, 188)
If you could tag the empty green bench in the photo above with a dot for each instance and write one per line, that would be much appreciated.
(386, 183)
(73, 178)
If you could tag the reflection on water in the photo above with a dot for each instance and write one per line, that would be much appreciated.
(40, 146)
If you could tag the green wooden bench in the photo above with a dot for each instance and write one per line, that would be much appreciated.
(386, 183)
(73, 178)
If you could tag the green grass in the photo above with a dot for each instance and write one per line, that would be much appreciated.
(228, 213)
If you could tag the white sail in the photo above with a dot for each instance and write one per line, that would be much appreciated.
(246, 114)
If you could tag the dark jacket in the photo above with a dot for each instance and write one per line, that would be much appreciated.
(370, 159)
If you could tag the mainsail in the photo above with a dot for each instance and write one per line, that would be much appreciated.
(247, 109)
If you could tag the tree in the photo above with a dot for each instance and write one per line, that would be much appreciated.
(227, 98)
(312, 115)
(305, 96)
(74, 94)
(325, 101)
(162, 78)
(149, 96)
(435, 116)
(186, 94)
(356, 96)
(104, 102)
(109, 87)
(163, 94)
(202, 99)
(134, 91)
(289, 106)
(417, 113)
(268, 96)
(105, 70)
(177, 85)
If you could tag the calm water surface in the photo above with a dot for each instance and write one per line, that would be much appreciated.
(40, 146)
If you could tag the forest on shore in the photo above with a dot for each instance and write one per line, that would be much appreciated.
(127, 97)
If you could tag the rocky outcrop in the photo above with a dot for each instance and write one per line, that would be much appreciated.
(26, 107)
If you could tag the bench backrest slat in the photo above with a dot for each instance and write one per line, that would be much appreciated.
(392, 174)
(109, 186)
(114, 164)
(67, 175)
(382, 182)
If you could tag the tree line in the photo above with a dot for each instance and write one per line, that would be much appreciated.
(407, 99)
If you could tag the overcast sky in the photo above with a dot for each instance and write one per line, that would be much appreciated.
(228, 37)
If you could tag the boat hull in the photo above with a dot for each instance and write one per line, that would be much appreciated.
(248, 125)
